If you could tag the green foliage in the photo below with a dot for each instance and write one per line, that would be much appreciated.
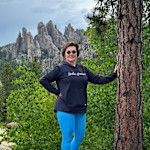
(108, 9)
(2, 104)
(32, 107)
(3, 54)
(146, 85)
(36, 66)
(100, 14)
(6, 77)
(45, 53)
(105, 46)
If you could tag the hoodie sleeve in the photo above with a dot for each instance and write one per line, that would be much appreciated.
(96, 79)
(49, 78)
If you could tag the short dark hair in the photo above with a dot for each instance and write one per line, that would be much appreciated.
(70, 44)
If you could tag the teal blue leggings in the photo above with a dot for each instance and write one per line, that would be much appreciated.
(72, 127)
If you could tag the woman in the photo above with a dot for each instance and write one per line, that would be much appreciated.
(72, 79)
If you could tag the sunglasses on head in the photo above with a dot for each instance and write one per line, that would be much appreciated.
(69, 52)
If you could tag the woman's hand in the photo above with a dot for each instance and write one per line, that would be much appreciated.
(60, 94)
(116, 69)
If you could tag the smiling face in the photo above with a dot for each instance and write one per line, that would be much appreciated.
(71, 55)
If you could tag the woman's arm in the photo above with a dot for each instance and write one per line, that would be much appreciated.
(49, 78)
(96, 79)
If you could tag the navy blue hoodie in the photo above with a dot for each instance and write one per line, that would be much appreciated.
(72, 84)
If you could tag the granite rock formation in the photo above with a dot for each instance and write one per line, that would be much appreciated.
(46, 45)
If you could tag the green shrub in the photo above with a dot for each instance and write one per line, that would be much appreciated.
(31, 106)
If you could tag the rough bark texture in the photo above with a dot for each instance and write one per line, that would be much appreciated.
(128, 119)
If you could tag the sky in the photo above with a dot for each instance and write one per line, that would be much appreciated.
(16, 14)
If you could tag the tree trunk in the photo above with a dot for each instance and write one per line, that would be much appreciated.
(128, 118)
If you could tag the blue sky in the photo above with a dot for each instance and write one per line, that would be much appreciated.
(15, 14)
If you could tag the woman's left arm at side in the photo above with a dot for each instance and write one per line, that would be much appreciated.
(50, 77)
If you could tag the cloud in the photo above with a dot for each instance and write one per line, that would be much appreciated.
(44, 10)
(16, 14)
(7, 1)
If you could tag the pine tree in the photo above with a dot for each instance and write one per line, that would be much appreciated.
(6, 77)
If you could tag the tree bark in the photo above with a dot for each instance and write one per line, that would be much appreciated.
(128, 118)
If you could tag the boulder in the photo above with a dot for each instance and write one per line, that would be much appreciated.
(12, 125)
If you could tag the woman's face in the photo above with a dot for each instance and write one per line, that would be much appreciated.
(71, 54)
